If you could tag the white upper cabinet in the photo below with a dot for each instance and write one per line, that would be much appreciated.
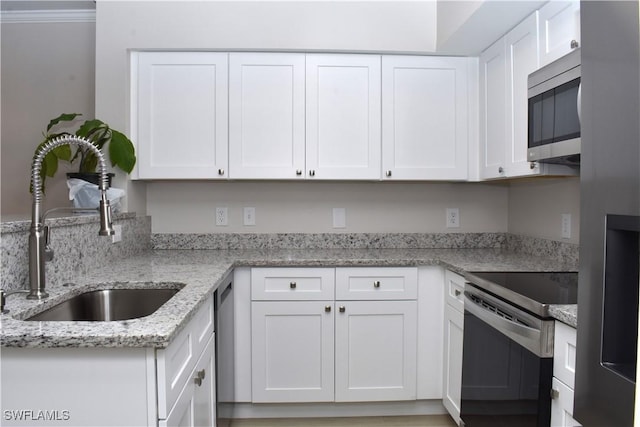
(179, 114)
(504, 69)
(559, 27)
(266, 115)
(522, 59)
(424, 118)
(493, 108)
(343, 116)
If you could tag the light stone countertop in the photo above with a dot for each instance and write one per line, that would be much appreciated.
(202, 271)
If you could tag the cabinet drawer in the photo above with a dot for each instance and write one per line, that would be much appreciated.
(564, 353)
(363, 283)
(562, 405)
(176, 362)
(282, 284)
(454, 290)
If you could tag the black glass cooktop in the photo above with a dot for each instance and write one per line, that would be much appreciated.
(529, 289)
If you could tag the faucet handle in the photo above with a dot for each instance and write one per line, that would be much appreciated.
(48, 251)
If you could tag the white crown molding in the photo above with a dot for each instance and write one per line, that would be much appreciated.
(47, 16)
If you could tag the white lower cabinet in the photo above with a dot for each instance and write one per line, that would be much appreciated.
(375, 351)
(335, 350)
(452, 344)
(196, 403)
(87, 387)
(292, 351)
(564, 364)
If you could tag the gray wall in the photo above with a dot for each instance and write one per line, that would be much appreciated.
(49, 68)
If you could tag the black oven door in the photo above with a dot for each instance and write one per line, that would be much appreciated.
(504, 383)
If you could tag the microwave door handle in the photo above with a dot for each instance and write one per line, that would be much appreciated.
(579, 102)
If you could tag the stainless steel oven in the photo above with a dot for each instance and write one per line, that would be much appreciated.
(507, 363)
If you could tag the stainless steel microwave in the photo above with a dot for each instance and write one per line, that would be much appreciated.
(554, 112)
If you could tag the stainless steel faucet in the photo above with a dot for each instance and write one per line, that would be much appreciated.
(39, 252)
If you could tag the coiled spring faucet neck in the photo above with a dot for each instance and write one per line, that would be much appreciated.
(37, 234)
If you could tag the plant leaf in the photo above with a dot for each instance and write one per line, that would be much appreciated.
(65, 117)
(121, 151)
(90, 163)
(63, 152)
(50, 164)
(89, 127)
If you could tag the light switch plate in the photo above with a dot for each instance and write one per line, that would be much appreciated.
(249, 216)
(339, 218)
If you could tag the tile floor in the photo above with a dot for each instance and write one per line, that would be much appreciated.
(410, 421)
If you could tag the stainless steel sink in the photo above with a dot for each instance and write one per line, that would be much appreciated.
(108, 304)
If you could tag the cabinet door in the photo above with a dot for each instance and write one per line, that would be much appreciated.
(343, 116)
(562, 405)
(493, 110)
(292, 351)
(179, 114)
(196, 404)
(452, 370)
(424, 118)
(522, 59)
(376, 350)
(266, 115)
(559, 25)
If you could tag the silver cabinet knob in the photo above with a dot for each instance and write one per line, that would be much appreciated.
(298, 172)
(574, 44)
(341, 309)
(388, 174)
(533, 165)
(376, 284)
(457, 293)
(199, 377)
(221, 172)
(312, 173)
(555, 393)
(327, 308)
(500, 169)
(293, 285)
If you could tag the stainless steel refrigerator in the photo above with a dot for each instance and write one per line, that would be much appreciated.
(609, 214)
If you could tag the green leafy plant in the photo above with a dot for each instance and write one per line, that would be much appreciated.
(121, 149)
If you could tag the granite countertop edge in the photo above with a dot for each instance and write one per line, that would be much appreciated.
(200, 272)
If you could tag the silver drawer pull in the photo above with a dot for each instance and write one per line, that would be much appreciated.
(342, 309)
(327, 308)
(292, 285)
(376, 284)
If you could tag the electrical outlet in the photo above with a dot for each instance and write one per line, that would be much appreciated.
(566, 226)
(221, 217)
(339, 218)
(249, 216)
(453, 218)
(116, 237)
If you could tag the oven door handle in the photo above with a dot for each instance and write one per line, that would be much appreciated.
(530, 338)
